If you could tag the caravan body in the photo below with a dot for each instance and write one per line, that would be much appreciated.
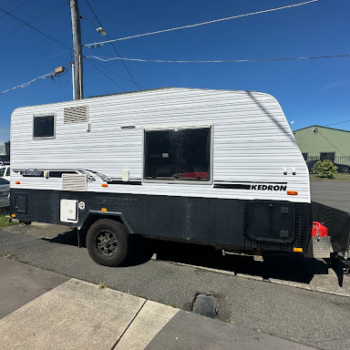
(206, 166)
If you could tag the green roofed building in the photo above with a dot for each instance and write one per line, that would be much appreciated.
(319, 142)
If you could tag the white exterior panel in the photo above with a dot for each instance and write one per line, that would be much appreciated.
(251, 142)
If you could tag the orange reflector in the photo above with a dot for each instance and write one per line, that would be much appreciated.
(103, 209)
(297, 250)
(17, 182)
(13, 215)
(104, 185)
(292, 193)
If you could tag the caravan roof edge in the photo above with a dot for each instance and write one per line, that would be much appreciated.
(140, 91)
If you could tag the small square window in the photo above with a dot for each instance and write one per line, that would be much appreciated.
(44, 126)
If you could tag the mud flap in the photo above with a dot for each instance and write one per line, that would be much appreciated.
(338, 224)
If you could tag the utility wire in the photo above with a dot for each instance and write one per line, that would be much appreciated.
(101, 71)
(331, 143)
(344, 121)
(96, 44)
(112, 71)
(48, 75)
(16, 8)
(114, 48)
(35, 29)
(220, 61)
(32, 21)
(60, 53)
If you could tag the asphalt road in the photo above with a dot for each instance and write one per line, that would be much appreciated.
(335, 194)
(317, 319)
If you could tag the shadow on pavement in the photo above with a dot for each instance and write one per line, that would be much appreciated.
(288, 268)
(68, 238)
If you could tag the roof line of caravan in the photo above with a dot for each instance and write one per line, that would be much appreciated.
(166, 88)
(139, 91)
(132, 92)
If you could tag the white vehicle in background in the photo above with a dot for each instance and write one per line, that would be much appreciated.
(5, 171)
(4, 193)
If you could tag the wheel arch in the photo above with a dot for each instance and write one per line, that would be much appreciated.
(95, 215)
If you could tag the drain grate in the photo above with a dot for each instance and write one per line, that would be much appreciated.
(205, 305)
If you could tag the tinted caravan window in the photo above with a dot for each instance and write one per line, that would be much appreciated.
(177, 154)
(44, 126)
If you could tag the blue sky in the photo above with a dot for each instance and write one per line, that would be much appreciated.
(309, 91)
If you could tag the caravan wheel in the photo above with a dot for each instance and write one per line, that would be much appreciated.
(107, 242)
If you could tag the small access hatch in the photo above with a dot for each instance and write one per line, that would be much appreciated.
(21, 201)
(68, 210)
(271, 221)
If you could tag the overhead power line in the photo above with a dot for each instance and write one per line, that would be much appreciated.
(48, 75)
(94, 13)
(112, 71)
(331, 143)
(219, 61)
(203, 23)
(102, 72)
(344, 121)
(16, 8)
(32, 21)
(35, 29)
(114, 48)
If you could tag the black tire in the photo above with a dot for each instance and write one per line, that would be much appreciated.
(107, 242)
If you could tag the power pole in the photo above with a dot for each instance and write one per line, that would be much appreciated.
(78, 55)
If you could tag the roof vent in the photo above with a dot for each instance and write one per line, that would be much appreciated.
(77, 114)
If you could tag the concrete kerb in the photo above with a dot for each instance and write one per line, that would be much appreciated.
(315, 286)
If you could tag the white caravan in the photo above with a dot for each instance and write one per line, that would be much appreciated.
(214, 167)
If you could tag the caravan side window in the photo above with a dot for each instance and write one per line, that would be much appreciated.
(44, 126)
(178, 154)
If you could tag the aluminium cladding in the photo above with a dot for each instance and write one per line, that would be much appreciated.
(139, 91)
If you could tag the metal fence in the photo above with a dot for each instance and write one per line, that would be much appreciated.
(342, 162)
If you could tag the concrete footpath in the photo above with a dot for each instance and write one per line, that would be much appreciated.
(44, 310)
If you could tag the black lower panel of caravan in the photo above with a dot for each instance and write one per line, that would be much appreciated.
(263, 225)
